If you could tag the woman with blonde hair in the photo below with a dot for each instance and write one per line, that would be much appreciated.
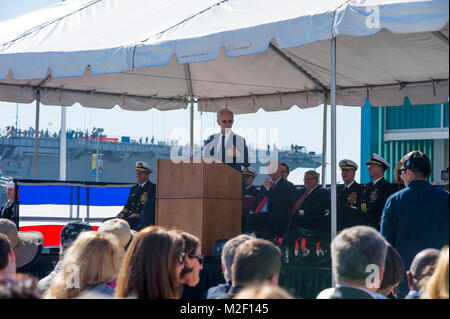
(152, 265)
(89, 265)
(437, 285)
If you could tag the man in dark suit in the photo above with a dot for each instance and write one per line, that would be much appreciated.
(417, 217)
(7, 209)
(311, 213)
(270, 209)
(226, 147)
(376, 192)
(313, 203)
(358, 257)
(139, 195)
(348, 196)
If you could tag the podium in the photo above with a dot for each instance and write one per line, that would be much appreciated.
(199, 198)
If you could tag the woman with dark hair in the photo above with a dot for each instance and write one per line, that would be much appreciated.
(152, 266)
(190, 275)
(398, 177)
(393, 274)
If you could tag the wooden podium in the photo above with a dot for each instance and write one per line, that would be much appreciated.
(201, 199)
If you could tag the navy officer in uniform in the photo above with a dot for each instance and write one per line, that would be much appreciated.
(249, 174)
(376, 192)
(348, 196)
(139, 195)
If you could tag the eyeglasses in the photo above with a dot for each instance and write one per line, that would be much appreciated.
(199, 257)
(182, 257)
(227, 121)
(403, 169)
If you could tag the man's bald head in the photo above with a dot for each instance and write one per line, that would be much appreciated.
(422, 266)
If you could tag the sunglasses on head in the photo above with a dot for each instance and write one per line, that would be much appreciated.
(227, 121)
(199, 257)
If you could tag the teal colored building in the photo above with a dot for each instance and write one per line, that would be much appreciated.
(394, 131)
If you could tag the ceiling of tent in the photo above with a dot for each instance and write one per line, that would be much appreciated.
(243, 55)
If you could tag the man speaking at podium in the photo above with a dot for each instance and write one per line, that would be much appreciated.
(227, 147)
(139, 195)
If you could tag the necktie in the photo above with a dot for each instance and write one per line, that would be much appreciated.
(262, 202)
(223, 148)
(300, 200)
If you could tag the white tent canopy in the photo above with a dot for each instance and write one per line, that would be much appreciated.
(239, 54)
(243, 55)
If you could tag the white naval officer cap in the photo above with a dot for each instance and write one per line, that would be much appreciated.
(142, 166)
(348, 164)
(378, 160)
(249, 171)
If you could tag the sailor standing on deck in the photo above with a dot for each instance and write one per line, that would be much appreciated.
(139, 195)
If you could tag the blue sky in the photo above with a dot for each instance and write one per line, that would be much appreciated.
(295, 126)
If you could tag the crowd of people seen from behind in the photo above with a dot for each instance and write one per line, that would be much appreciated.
(391, 243)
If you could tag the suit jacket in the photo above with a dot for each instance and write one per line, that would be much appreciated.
(372, 202)
(314, 207)
(138, 197)
(416, 218)
(212, 150)
(7, 210)
(348, 200)
(278, 204)
(349, 293)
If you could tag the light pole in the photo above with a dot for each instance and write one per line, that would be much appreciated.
(98, 132)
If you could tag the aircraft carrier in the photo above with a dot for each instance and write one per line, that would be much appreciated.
(119, 156)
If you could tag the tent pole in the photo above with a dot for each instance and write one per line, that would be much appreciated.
(63, 143)
(324, 145)
(333, 139)
(187, 73)
(36, 133)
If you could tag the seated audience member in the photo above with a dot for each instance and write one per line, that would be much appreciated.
(121, 229)
(249, 174)
(264, 291)
(437, 286)
(422, 267)
(257, 261)
(193, 263)
(152, 265)
(89, 265)
(352, 251)
(310, 211)
(7, 258)
(27, 245)
(393, 274)
(68, 235)
(227, 258)
(20, 286)
(285, 173)
(270, 209)
(7, 209)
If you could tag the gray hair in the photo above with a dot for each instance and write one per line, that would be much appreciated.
(223, 111)
(313, 174)
(229, 251)
(353, 250)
